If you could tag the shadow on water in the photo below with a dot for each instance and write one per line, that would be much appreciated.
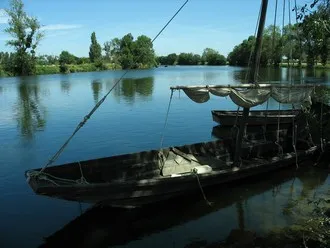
(97, 89)
(132, 89)
(29, 111)
(105, 226)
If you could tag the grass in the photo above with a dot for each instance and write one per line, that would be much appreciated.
(55, 69)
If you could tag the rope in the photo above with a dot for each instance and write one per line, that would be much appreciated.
(299, 38)
(166, 118)
(82, 179)
(290, 30)
(294, 137)
(277, 142)
(82, 123)
(274, 29)
(250, 57)
(264, 129)
(194, 171)
(321, 128)
(283, 19)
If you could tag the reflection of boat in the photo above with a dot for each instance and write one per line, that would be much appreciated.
(107, 227)
(256, 117)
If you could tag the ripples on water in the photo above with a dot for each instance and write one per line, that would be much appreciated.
(39, 113)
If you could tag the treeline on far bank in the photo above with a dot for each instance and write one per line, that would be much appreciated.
(209, 57)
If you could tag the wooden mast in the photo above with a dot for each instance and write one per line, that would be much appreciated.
(252, 79)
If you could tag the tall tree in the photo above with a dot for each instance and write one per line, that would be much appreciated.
(213, 57)
(26, 35)
(144, 53)
(126, 52)
(95, 50)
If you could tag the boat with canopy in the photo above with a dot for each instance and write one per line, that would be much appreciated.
(149, 176)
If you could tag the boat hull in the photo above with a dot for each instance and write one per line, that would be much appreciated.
(141, 192)
(256, 117)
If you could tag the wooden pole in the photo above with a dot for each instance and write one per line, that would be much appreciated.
(252, 79)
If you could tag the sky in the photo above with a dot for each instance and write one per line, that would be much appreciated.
(218, 24)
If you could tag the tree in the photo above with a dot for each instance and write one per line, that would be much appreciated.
(26, 35)
(67, 58)
(144, 54)
(95, 50)
(188, 59)
(126, 52)
(212, 57)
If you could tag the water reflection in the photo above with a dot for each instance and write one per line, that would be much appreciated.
(135, 88)
(97, 89)
(65, 86)
(29, 111)
(227, 217)
(285, 74)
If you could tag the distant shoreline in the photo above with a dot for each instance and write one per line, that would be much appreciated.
(89, 67)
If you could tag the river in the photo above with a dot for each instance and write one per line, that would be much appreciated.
(38, 113)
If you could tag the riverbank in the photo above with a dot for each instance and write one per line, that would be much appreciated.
(304, 65)
(55, 69)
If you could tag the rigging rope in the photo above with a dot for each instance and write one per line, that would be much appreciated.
(82, 123)
(250, 57)
(166, 118)
(274, 29)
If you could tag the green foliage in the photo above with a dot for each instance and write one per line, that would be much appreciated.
(144, 54)
(189, 59)
(212, 57)
(67, 58)
(170, 59)
(26, 35)
(95, 50)
(241, 53)
(131, 54)
(47, 69)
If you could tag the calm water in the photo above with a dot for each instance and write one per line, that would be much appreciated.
(37, 114)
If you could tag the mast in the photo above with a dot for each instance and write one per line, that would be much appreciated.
(252, 79)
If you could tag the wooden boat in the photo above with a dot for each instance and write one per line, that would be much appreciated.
(254, 132)
(150, 176)
(256, 117)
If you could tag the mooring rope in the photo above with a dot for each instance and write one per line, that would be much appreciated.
(321, 128)
(294, 136)
(194, 171)
(277, 142)
(82, 123)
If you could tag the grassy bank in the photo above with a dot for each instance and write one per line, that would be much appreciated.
(55, 69)
(304, 65)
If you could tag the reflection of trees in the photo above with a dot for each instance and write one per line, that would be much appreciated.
(285, 74)
(210, 76)
(1, 89)
(96, 88)
(130, 88)
(65, 87)
(30, 114)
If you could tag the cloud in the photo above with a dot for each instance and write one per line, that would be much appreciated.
(3, 16)
(54, 27)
